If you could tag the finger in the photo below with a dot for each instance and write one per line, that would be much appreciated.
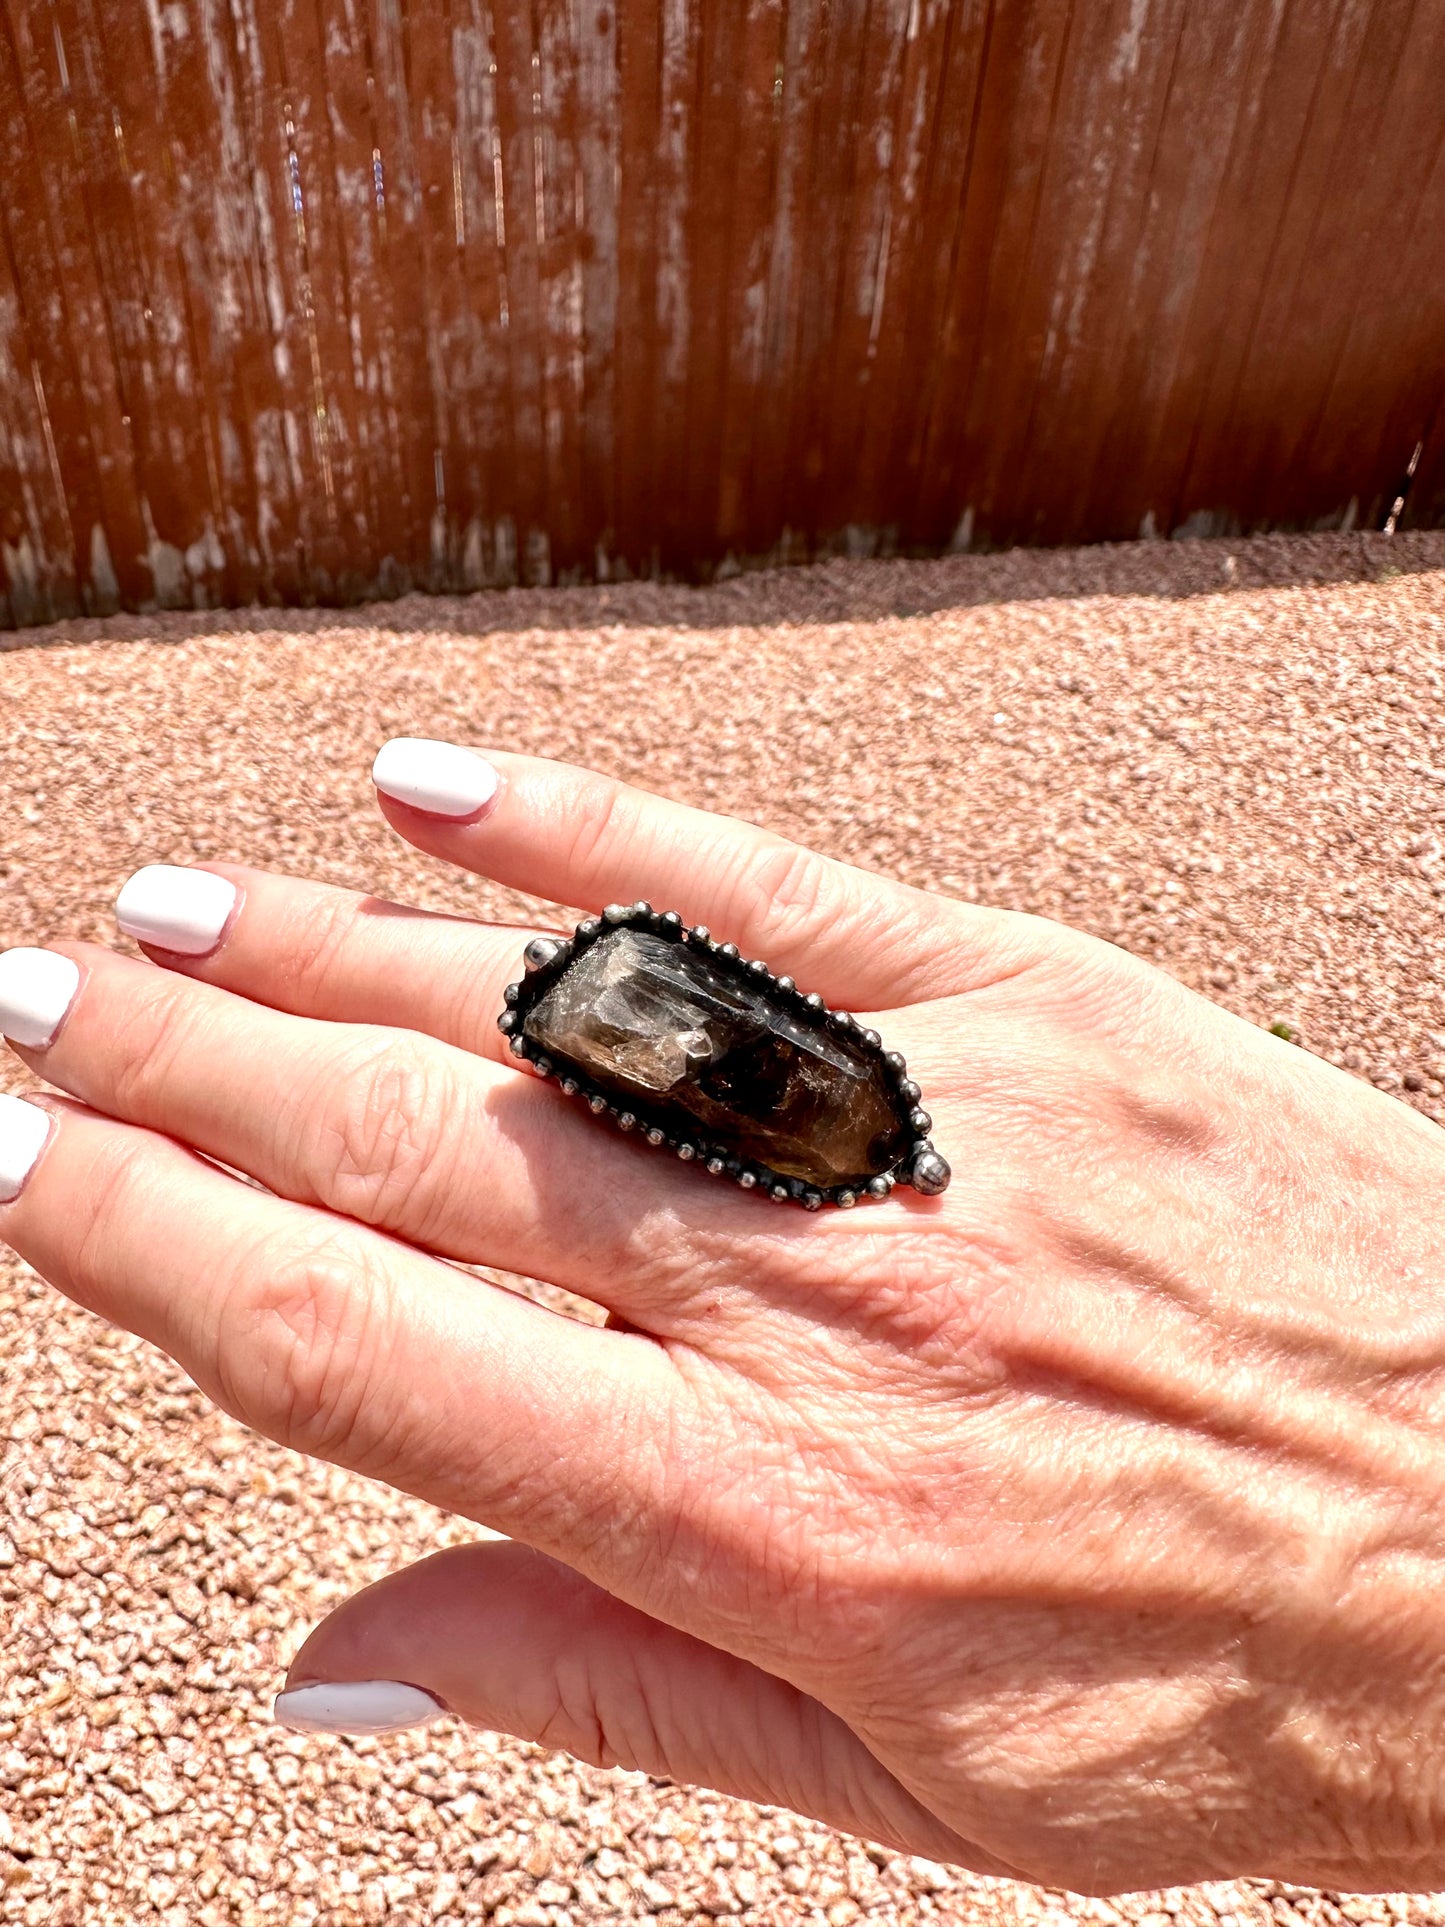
(389, 1128)
(342, 1343)
(576, 837)
(319, 951)
(511, 1640)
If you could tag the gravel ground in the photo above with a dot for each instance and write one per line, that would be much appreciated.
(1230, 759)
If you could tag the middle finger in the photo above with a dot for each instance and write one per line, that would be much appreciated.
(320, 951)
(392, 1128)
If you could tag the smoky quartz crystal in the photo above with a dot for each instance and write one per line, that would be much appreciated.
(687, 1042)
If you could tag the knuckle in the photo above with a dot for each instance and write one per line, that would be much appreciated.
(317, 948)
(378, 1136)
(794, 891)
(122, 1163)
(595, 812)
(471, 1000)
(570, 1721)
(604, 1721)
(160, 1025)
(299, 1343)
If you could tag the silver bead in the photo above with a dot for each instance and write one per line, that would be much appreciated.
(540, 952)
(931, 1174)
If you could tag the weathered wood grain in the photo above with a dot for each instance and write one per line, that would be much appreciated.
(315, 300)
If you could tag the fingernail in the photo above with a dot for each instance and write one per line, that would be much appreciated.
(37, 987)
(175, 909)
(356, 1706)
(443, 778)
(23, 1131)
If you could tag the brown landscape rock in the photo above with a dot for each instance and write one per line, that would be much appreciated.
(1229, 758)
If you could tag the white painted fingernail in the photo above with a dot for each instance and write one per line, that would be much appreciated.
(175, 909)
(443, 778)
(37, 987)
(356, 1706)
(23, 1131)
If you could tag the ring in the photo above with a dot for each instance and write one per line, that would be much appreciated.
(654, 1024)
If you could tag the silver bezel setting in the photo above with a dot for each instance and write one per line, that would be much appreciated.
(920, 1166)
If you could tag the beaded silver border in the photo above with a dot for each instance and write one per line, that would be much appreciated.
(544, 960)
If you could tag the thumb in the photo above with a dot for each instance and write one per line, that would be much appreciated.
(508, 1639)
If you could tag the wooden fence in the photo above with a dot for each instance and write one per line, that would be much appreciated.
(322, 299)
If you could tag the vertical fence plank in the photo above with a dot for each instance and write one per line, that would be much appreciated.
(1385, 302)
(740, 103)
(837, 142)
(438, 135)
(249, 279)
(932, 142)
(597, 247)
(1277, 86)
(84, 418)
(1276, 222)
(636, 359)
(1123, 74)
(557, 159)
(1127, 480)
(981, 360)
(772, 509)
(675, 290)
(39, 573)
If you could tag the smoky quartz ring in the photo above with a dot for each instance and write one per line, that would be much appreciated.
(672, 1035)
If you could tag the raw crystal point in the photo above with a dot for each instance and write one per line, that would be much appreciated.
(666, 1029)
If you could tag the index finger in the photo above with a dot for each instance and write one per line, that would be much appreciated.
(573, 836)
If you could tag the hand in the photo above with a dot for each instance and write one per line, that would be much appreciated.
(1083, 1524)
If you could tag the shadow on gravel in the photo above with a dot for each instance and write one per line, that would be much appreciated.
(824, 592)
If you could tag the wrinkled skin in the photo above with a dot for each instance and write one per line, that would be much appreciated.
(1083, 1524)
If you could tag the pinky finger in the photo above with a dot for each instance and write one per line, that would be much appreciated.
(337, 1340)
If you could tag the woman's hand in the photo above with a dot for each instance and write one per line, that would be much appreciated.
(1084, 1524)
